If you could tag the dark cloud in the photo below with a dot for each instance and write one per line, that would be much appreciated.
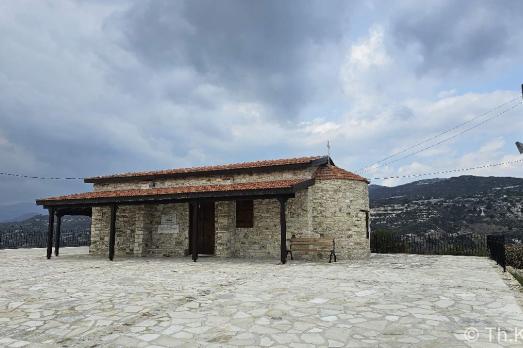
(98, 87)
(459, 36)
(261, 51)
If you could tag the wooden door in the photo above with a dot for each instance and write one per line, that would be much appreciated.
(206, 230)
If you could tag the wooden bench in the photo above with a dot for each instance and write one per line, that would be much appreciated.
(315, 246)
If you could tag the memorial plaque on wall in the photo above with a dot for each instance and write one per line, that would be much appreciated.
(169, 223)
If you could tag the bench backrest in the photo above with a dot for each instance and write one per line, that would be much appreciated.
(311, 244)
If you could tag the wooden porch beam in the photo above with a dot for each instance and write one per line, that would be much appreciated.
(194, 232)
(58, 232)
(112, 231)
(283, 230)
(50, 229)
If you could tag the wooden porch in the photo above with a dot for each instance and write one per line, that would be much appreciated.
(82, 204)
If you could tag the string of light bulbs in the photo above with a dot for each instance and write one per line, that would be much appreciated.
(39, 177)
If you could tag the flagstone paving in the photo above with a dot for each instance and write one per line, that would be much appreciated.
(388, 301)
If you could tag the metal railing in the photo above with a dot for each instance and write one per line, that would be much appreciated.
(464, 244)
(496, 247)
(28, 238)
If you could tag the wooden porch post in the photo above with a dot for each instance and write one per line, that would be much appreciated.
(50, 229)
(58, 231)
(283, 229)
(194, 235)
(112, 232)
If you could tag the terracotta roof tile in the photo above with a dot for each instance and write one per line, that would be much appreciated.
(194, 170)
(336, 173)
(152, 192)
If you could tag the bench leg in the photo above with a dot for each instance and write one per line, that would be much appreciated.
(331, 256)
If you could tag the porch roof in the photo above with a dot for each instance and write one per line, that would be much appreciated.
(180, 193)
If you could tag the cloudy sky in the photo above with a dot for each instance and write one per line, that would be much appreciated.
(96, 87)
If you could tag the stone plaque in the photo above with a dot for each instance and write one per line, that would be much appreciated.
(169, 223)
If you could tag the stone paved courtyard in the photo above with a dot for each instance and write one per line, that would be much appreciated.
(388, 301)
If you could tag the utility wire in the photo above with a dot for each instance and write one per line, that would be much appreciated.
(379, 178)
(39, 177)
(449, 170)
(438, 135)
(451, 137)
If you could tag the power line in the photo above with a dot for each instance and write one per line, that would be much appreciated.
(451, 137)
(449, 170)
(39, 177)
(378, 178)
(437, 135)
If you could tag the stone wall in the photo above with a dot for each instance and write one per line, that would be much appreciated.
(128, 221)
(262, 240)
(299, 221)
(142, 230)
(338, 211)
(169, 230)
(142, 237)
(225, 225)
(100, 222)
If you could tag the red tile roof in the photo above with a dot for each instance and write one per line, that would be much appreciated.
(225, 167)
(331, 172)
(251, 187)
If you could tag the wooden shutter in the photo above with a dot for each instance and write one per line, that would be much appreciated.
(245, 214)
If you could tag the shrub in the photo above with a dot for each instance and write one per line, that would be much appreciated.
(514, 255)
(517, 275)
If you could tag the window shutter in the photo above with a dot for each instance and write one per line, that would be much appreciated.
(245, 214)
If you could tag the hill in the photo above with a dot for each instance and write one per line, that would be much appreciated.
(39, 222)
(32, 232)
(18, 211)
(450, 206)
